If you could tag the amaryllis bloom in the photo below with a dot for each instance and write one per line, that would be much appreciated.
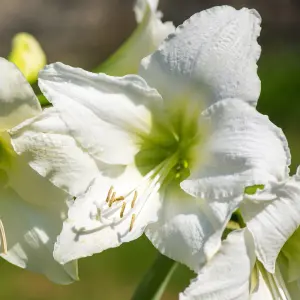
(260, 262)
(145, 39)
(168, 152)
(31, 208)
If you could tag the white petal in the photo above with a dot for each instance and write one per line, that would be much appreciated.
(32, 187)
(243, 149)
(273, 222)
(17, 99)
(93, 226)
(188, 229)
(31, 232)
(214, 52)
(46, 144)
(227, 275)
(145, 39)
(104, 114)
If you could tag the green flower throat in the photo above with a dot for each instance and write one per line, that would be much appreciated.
(171, 146)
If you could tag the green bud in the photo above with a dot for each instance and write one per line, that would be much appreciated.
(27, 55)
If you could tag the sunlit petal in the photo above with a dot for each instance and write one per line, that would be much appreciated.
(98, 220)
(31, 232)
(107, 113)
(46, 145)
(214, 53)
(17, 99)
(237, 153)
(273, 222)
(188, 229)
(227, 275)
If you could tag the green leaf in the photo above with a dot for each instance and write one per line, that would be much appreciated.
(156, 279)
(251, 190)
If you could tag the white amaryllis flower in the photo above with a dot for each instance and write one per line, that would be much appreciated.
(147, 36)
(31, 208)
(235, 274)
(272, 237)
(174, 160)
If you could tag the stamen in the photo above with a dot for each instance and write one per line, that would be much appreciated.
(122, 209)
(132, 222)
(3, 238)
(109, 193)
(149, 185)
(112, 199)
(98, 215)
(134, 199)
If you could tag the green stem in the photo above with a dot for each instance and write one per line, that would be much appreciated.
(43, 100)
(156, 279)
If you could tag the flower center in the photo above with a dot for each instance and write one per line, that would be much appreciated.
(167, 154)
(175, 133)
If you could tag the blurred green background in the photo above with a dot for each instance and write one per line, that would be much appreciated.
(84, 33)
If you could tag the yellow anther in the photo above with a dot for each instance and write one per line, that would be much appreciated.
(109, 193)
(119, 198)
(134, 199)
(112, 199)
(122, 209)
(3, 239)
(132, 222)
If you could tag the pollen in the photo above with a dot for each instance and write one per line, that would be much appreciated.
(112, 199)
(134, 199)
(3, 239)
(122, 209)
(132, 222)
(109, 194)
